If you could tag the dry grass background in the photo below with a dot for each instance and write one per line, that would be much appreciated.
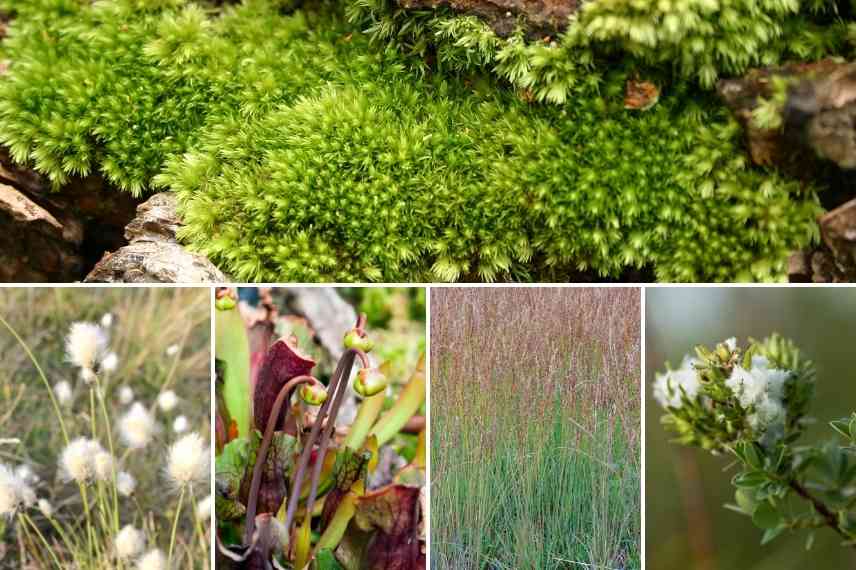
(535, 427)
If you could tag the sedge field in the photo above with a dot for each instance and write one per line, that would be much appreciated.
(535, 428)
(104, 422)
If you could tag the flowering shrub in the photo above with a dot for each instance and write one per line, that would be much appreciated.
(102, 481)
(751, 403)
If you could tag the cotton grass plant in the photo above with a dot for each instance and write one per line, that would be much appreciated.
(535, 428)
(100, 479)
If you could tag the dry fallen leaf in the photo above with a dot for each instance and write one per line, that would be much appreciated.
(641, 95)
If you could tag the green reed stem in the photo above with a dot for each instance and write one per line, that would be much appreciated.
(23, 516)
(41, 375)
(70, 546)
(90, 533)
(175, 527)
(109, 430)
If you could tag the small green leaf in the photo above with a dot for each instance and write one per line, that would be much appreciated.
(230, 467)
(325, 560)
(771, 533)
(703, 352)
(753, 458)
(747, 356)
(766, 516)
(809, 541)
(842, 427)
(751, 479)
(746, 501)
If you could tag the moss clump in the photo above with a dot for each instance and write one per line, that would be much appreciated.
(700, 40)
(301, 153)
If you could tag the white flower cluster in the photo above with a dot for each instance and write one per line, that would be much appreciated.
(110, 362)
(669, 387)
(63, 392)
(167, 400)
(203, 509)
(125, 483)
(137, 426)
(152, 560)
(126, 395)
(188, 461)
(763, 388)
(130, 543)
(77, 461)
(15, 490)
(84, 460)
(180, 424)
(85, 347)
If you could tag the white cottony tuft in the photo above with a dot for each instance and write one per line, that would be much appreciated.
(180, 424)
(731, 343)
(14, 490)
(104, 465)
(125, 483)
(172, 350)
(28, 496)
(62, 391)
(776, 380)
(152, 560)
(748, 387)
(188, 460)
(667, 387)
(129, 542)
(107, 320)
(11, 488)
(77, 461)
(203, 509)
(46, 508)
(85, 344)
(763, 388)
(126, 395)
(167, 400)
(87, 375)
(137, 426)
(110, 362)
(26, 474)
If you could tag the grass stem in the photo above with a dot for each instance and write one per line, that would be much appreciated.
(41, 372)
(175, 527)
(47, 546)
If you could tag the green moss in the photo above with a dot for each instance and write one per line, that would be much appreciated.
(696, 39)
(300, 152)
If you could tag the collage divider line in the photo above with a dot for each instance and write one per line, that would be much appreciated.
(642, 417)
(428, 481)
(212, 521)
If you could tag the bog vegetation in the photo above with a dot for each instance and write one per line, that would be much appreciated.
(307, 476)
(103, 456)
(535, 450)
(362, 142)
